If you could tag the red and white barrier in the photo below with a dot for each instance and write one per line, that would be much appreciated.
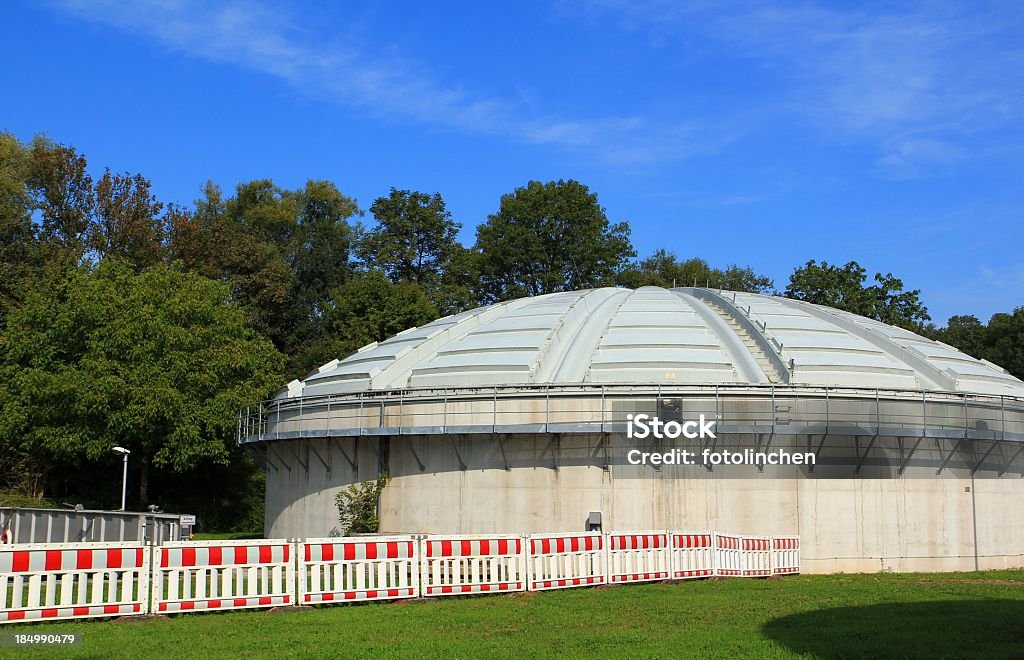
(785, 555)
(78, 580)
(58, 581)
(560, 561)
(638, 557)
(358, 568)
(693, 555)
(472, 564)
(219, 575)
(728, 556)
(757, 556)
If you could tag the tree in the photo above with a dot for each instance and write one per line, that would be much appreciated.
(549, 237)
(63, 193)
(280, 251)
(1004, 341)
(664, 269)
(966, 333)
(414, 239)
(158, 362)
(843, 288)
(128, 223)
(366, 309)
(19, 251)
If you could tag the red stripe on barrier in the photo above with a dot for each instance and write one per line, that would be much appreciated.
(111, 609)
(266, 554)
(53, 558)
(164, 561)
(80, 611)
(215, 557)
(370, 550)
(83, 559)
(392, 549)
(15, 616)
(213, 604)
(466, 548)
(49, 613)
(114, 558)
(188, 556)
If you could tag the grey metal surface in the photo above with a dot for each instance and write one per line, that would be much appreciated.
(28, 525)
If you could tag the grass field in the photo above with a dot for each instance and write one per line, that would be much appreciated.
(913, 615)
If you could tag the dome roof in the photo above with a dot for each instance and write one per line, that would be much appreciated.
(683, 336)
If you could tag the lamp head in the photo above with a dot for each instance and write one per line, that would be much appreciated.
(120, 450)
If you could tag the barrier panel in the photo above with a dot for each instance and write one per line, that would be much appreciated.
(359, 568)
(728, 557)
(638, 557)
(559, 561)
(785, 555)
(757, 556)
(693, 555)
(223, 575)
(472, 564)
(51, 581)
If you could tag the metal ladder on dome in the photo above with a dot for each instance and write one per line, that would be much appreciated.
(767, 366)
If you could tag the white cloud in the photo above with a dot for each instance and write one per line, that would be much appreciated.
(926, 85)
(253, 36)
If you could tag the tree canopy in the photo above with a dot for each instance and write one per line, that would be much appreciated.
(843, 287)
(549, 237)
(664, 269)
(158, 362)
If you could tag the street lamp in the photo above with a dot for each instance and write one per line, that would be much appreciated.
(124, 478)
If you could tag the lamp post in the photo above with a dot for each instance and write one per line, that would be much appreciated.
(124, 476)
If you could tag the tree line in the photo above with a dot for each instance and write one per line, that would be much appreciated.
(125, 320)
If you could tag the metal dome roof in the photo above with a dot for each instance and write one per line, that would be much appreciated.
(683, 336)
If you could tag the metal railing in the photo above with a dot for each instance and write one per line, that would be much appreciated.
(774, 408)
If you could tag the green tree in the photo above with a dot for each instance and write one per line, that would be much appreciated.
(549, 237)
(280, 251)
(843, 288)
(63, 193)
(1004, 341)
(158, 362)
(965, 333)
(664, 269)
(368, 308)
(128, 224)
(19, 251)
(414, 238)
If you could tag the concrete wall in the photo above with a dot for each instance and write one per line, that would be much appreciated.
(919, 522)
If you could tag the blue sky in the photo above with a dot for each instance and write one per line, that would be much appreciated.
(758, 133)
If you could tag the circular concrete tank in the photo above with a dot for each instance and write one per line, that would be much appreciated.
(512, 418)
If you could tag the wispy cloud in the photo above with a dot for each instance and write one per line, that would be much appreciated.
(260, 38)
(917, 82)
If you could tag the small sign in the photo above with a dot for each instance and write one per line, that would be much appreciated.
(187, 519)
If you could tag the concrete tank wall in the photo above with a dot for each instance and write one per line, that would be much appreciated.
(925, 523)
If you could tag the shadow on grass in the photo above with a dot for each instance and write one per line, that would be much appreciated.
(936, 629)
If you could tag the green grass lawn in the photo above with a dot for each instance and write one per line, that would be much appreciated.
(912, 615)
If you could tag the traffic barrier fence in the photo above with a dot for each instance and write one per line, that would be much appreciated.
(80, 580)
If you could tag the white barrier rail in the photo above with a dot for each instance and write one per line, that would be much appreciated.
(73, 581)
(472, 564)
(368, 568)
(638, 557)
(560, 561)
(785, 555)
(693, 555)
(218, 575)
(70, 581)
